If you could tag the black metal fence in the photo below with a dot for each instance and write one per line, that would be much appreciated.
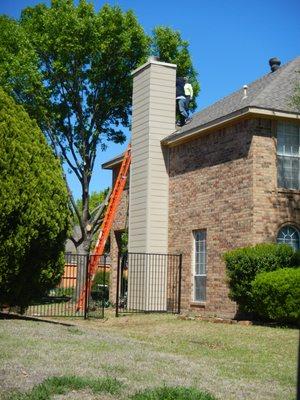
(148, 283)
(78, 293)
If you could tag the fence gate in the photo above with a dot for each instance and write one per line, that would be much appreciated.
(62, 301)
(148, 283)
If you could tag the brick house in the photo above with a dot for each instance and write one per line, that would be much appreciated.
(230, 178)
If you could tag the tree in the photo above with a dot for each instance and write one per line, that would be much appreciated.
(97, 201)
(85, 60)
(34, 211)
(19, 72)
(296, 97)
(168, 46)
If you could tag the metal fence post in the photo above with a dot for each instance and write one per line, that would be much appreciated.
(86, 286)
(117, 289)
(179, 283)
(104, 286)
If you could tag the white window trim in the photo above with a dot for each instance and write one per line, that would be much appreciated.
(289, 226)
(194, 300)
(290, 156)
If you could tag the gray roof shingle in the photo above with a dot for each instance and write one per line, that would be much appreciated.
(272, 92)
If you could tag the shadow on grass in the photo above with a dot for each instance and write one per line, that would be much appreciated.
(9, 315)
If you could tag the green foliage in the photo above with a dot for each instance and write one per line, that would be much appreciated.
(64, 384)
(243, 264)
(296, 95)
(168, 46)
(124, 242)
(95, 200)
(62, 292)
(276, 295)
(101, 278)
(70, 67)
(86, 59)
(19, 73)
(172, 393)
(34, 214)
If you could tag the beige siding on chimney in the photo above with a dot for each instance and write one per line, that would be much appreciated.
(153, 118)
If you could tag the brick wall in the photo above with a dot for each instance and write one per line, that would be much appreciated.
(273, 206)
(226, 183)
(211, 188)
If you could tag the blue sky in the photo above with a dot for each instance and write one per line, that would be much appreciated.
(230, 43)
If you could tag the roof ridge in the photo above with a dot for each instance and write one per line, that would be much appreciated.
(270, 75)
(282, 71)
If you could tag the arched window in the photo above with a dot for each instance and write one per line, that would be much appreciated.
(289, 235)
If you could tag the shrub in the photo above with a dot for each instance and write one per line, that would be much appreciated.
(245, 263)
(101, 278)
(100, 287)
(276, 295)
(34, 209)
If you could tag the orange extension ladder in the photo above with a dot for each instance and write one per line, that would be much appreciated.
(113, 203)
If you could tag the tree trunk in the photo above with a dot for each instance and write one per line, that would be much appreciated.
(82, 265)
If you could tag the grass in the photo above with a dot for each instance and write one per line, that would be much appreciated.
(148, 351)
(62, 385)
(176, 393)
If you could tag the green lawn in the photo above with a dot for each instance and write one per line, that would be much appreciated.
(148, 351)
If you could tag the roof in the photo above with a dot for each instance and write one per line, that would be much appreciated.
(273, 92)
(113, 162)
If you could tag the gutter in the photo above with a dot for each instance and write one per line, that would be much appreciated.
(114, 162)
(178, 138)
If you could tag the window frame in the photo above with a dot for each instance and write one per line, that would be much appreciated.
(285, 156)
(286, 226)
(196, 271)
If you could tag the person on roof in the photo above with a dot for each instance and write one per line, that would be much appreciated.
(184, 94)
(188, 92)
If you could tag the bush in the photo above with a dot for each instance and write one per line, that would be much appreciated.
(34, 209)
(276, 295)
(100, 287)
(245, 263)
(101, 278)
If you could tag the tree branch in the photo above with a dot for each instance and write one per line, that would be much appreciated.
(75, 208)
(95, 220)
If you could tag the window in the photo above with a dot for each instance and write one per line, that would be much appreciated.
(288, 155)
(200, 265)
(289, 235)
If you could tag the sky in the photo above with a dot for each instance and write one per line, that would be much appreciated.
(231, 42)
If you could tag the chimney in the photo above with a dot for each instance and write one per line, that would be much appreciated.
(153, 118)
(274, 64)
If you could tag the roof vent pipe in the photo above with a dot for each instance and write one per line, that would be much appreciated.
(245, 87)
(274, 64)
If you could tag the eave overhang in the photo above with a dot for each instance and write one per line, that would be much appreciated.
(244, 113)
(113, 163)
